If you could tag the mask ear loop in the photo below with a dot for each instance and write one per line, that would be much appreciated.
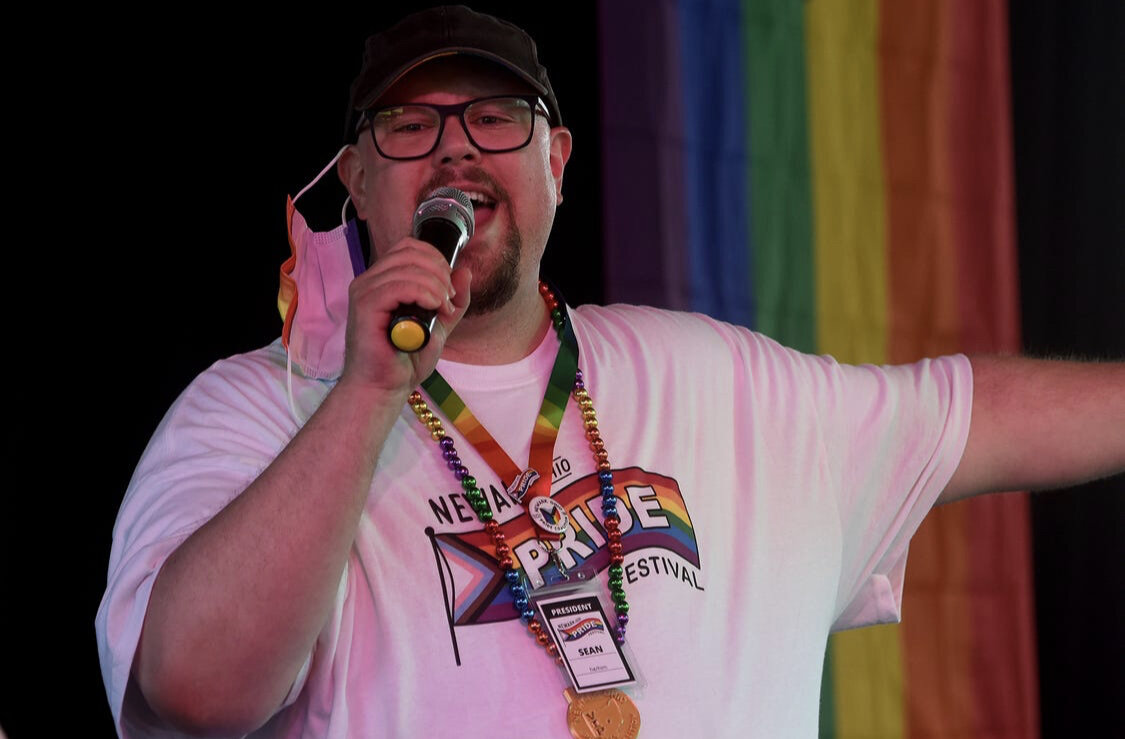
(289, 390)
(343, 221)
(330, 165)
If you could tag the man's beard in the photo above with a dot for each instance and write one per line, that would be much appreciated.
(493, 293)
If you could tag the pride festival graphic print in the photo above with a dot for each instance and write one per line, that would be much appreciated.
(653, 518)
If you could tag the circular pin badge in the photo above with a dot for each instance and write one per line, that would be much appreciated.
(548, 514)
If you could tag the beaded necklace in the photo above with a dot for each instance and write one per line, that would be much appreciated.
(546, 430)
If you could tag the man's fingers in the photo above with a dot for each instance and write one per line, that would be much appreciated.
(408, 282)
(461, 280)
(412, 251)
(452, 314)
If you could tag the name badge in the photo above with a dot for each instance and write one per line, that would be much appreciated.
(578, 625)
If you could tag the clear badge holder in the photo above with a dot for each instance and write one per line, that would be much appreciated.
(574, 608)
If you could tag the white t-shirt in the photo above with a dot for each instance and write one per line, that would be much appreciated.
(767, 497)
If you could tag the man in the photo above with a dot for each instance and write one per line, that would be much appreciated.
(330, 577)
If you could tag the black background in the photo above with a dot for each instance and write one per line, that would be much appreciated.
(153, 166)
(1068, 64)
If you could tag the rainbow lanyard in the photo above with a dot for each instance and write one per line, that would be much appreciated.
(535, 482)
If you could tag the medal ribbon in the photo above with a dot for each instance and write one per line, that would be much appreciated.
(543, 435)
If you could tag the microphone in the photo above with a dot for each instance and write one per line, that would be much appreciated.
(445, 220)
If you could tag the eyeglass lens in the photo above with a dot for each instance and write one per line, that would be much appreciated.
(492, 124)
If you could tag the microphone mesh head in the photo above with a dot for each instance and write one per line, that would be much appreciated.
(448, 203)
(454, 194)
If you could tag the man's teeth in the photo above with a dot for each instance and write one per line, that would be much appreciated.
(479, 199)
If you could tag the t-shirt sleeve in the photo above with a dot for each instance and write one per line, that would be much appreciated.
(893, 437)
(218, 436)
(873, 445)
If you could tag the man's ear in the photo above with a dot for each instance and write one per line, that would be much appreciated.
(353, 175)
(560, 154)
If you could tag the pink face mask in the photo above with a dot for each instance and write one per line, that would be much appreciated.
(313, 296)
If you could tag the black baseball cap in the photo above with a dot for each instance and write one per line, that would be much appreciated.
(444, 31)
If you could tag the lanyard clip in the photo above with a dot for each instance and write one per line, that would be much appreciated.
(553, 556)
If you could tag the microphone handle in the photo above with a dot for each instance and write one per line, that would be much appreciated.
(411, 325)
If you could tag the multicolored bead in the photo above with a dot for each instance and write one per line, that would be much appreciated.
(611, 520)
(479, 504)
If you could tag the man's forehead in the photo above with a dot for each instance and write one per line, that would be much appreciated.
(456, 73)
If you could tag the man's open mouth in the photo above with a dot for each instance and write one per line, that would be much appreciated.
(480, 200)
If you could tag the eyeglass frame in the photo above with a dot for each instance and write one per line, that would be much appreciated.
(535, 103)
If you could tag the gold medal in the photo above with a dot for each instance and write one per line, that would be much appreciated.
(605, 714)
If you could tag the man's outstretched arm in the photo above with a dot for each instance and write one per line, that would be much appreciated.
(1040, 424)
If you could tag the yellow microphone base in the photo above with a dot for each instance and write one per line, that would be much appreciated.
(407, 335)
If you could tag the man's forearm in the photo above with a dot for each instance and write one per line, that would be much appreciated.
(1039, 424)
(236, 609)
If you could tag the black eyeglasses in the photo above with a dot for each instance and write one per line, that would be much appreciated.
(493, 124)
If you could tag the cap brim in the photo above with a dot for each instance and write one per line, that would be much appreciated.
(410, 66)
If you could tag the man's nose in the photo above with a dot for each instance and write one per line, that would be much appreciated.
(455, 144)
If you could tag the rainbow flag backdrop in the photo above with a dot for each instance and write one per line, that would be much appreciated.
(838, 175)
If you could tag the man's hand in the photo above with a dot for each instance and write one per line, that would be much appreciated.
(411, 271)
(1040, 424)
